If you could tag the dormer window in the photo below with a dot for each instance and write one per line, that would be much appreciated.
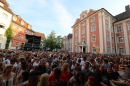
(22, 22)
(29, 26)
(83, 16)
(1, 4)
(92, 19)
(14, 18)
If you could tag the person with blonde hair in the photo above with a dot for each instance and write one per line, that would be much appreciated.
(44, 80)
(8, 78)
(65, 70)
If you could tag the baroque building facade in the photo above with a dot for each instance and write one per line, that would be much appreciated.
(98, 31)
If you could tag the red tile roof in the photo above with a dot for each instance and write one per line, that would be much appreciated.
(6, 6)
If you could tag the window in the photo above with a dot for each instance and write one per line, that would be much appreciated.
(17, 43)
(93, 28)
(128, 26)
(83, 32)
(1, 27)
(108, 38)
(82, 39)
(14, 27)
(93, 38)
(5, 16)
(20, 29)
(12, 42)
(14, 18)
(93, 49)
(29, 26)
(83, 16)
(83, 24)
(113, 50)
(120, 39)
(108, 50)
(107, 27)
(18, 36)
(1, 4)
(119, 29)
(121, 50)
(92, 19)
(112, 40)
(111, 29)
(22, 23)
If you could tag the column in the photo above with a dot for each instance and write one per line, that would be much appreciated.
(73, 40)
(110, 35)
(79, 36)
(88, 36)
(115, 39)
(126, 38)
(104, 33)
(100, 32)
(82, 48)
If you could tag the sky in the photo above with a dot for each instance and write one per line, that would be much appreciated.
(60, 15)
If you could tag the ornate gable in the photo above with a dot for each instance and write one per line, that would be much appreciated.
(83, 14)
(91, 11)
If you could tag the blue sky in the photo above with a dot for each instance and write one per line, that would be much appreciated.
(60, 15)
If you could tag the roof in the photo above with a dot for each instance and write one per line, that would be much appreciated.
(69, 36)
(91, 12)
(39, 34)
(122, 16)
(6, 6)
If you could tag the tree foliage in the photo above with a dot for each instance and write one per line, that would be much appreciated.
(9, 35)
(52, 42)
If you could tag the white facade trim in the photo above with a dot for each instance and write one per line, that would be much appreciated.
(109, 25)
(104, 33)
(122, 21)
(100, 32)
(79, 35)
(73, 40)
(88, 35)
(126, 38)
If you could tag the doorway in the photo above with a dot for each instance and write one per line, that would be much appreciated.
(84, 49)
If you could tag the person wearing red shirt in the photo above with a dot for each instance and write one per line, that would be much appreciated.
(57, 78)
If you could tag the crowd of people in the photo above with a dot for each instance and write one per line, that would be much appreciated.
(45, 68)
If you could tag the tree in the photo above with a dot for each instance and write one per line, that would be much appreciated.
(9, 35)
(52, 42)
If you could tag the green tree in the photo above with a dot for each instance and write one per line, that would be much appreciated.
(52, 42)
(9, 35)
(59, 42)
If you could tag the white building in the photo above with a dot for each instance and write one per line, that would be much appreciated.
(67, 42)
(5, 19)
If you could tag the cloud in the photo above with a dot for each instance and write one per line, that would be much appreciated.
(65, 19)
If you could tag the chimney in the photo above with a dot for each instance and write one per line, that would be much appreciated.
(127, 8)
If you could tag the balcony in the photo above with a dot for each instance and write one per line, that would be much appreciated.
(81, 43)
